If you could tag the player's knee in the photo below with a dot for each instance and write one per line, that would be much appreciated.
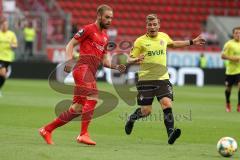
(3, 72)
(166, 103)
(146, 111)
(77, 107)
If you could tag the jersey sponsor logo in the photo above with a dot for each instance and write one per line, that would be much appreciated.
(147, 45)
(155, 53)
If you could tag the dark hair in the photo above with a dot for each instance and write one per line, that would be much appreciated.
(235, 28)
(102, 8)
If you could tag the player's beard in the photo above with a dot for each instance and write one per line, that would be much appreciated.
(102, 25)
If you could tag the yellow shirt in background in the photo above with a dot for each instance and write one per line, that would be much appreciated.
(232, 48)
(29, 34)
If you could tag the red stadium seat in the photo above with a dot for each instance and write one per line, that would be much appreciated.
(177, 16)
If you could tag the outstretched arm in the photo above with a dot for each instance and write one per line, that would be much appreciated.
(197, 41)
(107, 63)
(137, 60)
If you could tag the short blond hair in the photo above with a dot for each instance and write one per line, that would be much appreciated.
(152, 17)
(102, 8)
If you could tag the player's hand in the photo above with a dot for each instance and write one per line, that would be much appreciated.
(68, 68)
(121, 68)
(199, 40)
(137, 60)
(140, 59)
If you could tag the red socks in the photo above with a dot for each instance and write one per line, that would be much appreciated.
(64, 118)
(87, 113)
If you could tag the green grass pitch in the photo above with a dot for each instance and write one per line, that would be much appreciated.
(26, 105)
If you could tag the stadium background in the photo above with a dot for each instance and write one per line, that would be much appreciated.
(28, 98)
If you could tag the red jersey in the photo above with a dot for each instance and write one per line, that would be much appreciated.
(93, 44)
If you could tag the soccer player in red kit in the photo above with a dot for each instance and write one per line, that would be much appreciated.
(93, 42)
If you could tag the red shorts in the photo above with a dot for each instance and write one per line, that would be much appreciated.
(85, 84)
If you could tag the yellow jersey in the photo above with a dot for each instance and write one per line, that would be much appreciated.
(29, 34)
(154, 65)
(6, 39)
(232, 48)
(203, 62)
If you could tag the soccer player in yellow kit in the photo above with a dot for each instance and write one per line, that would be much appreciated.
(8, 41)
(150, 51)
(231, 52)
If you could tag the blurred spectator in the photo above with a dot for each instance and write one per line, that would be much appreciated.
(202, 61)
(29, 33)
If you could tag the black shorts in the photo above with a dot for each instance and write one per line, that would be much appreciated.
(232, 79)
(4, 64)
(147, 90)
